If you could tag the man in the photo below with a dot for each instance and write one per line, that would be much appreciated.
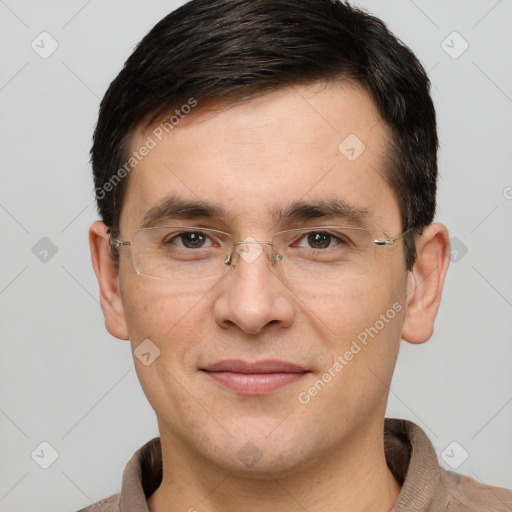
(266, 174)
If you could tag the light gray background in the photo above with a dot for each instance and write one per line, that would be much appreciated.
(66, 381)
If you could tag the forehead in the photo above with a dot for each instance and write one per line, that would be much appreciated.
(314, 143)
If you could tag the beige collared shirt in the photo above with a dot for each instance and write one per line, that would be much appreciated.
(426, 487)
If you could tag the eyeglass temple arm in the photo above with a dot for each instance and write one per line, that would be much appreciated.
(119, 243)
(389, 241)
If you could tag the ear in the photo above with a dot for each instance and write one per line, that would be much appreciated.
(107, 276)
(425, 283)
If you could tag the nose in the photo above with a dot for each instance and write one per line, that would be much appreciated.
(252, 295)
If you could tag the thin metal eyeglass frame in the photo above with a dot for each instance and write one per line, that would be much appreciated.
(276, 256)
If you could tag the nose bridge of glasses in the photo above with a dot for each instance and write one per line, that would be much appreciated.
(251, 240)
(248, 249)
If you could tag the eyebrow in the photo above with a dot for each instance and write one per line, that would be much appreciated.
(177, 208)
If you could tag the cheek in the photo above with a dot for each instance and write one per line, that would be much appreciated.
(170, 316)
(358, 325)
(345, 308)
(357, 322)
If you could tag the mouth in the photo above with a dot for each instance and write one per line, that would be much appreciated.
(257, 378)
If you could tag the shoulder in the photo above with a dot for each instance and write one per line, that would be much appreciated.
(110, 504)
(141, 476)
(427, 486)
(468, 495)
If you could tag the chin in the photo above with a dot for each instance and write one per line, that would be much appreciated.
(261, 450)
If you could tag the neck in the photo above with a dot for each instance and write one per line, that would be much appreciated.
(354, 478)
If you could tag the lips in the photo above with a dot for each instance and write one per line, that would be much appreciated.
(256, 378)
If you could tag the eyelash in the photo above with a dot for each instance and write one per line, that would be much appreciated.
(303, 237)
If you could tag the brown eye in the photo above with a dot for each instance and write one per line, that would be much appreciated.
(189, 240)
(319, 240)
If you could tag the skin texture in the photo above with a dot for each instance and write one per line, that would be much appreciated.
(326, 454)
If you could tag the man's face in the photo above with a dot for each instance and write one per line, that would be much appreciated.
(254, 158)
